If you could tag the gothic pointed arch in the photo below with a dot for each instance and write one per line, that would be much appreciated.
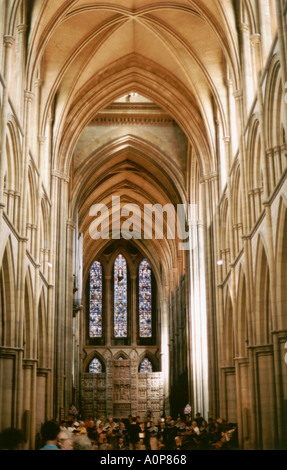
(228, 328)
(255, 179)
(242, 318)
(148, 362)
(120, 300)
(13, 170)
(273, 110)
(281, 266)
(121, 355)
(262, 303)
(29, 321)
(8, 297)
(94, 363)
(42, 336)
(237, 209)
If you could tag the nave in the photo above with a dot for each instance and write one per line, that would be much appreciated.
(143, 213)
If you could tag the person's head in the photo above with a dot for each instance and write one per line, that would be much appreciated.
(65, 440)
(194, 424)
(82, 443)
(50, 431)
(11, 439)
(121, 441)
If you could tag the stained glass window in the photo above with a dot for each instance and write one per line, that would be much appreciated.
(145, 300)
(145, 366)
(95, 366)
(120, 297)
(96, 287)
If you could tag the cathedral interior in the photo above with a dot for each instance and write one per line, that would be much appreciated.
(143, 212)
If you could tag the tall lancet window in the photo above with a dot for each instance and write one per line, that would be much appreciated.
(145, 300)
(120, 298)
(96, 305)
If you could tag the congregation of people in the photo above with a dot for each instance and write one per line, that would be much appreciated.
(132, 433)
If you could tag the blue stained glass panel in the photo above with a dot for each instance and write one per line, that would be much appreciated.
(145, 366)
(96, 292)
(145, 300)
(120, 298)
(95, 366)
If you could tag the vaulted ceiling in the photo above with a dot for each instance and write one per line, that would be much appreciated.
(133, 88)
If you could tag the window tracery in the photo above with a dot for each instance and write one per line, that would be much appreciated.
(145, 300)
(96, 311)
(145, 366)
(120, 297)
(95, 366)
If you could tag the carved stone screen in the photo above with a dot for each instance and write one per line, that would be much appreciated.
(121, 391)
(93, 394)
(121, 388)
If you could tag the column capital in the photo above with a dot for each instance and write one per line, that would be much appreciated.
(255, 39)
(244, 27)
(210, 177)
(62, 176)
(21, 28)
(41, 139)
(238, 94)
(71, 224)
(228, 82)
(38, 82)
(8, 40)
(28, 96)
(269, 152)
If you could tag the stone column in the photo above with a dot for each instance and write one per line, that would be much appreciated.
(280, 371)
(165, 366)
(134, 310)
(8, 43)
(68, 334)
(38, 139)
(247, 79)
(278, 163)
(282, 40)
(60, 245)
(29, 401)
(51, 310)
(265, 23)
(246, 417)
(271, 167)
(108, 311)
(198, 314)
(20, 66)
(41, 405)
